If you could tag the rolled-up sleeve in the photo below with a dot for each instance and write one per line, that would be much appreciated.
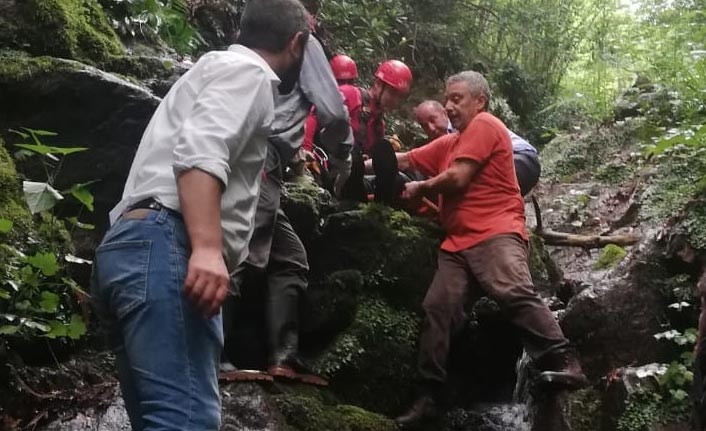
(319, 86)
(235, 102)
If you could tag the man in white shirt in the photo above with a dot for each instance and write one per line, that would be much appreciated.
(160, 273)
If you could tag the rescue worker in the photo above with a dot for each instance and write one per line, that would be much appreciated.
(275, 250)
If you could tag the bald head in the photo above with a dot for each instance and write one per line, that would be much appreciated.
(431, 115)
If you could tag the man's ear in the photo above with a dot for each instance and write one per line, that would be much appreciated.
(298, 42)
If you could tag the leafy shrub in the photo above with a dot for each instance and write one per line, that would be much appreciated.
(38, 298)
(149, 19)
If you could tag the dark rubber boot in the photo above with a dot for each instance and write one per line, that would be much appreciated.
(562, 367)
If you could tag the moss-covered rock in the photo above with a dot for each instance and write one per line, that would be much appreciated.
(11, 205)
(310, 413)
(576, 156)
(610, 257)
(374, 359)
(74, 29)
(331, 306)
(395, 252)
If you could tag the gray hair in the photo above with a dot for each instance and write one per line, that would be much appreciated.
(270, 24)
(430, 104)
(476, 83)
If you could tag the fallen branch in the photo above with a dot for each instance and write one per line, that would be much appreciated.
(551, 237)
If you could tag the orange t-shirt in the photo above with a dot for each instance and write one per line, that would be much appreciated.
(492, 204)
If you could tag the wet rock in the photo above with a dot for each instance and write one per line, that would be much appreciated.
(624, 384)
(87, 108)
(613, 324)
(111, 418)
(246, 407)
(493, 417)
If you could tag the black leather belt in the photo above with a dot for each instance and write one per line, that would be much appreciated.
(150, 204)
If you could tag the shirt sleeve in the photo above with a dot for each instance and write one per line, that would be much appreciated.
(426, 159)
(235, 102)
(319, 86)
(477, 142)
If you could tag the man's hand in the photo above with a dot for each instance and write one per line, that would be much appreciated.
(207, 278)
(412, 190)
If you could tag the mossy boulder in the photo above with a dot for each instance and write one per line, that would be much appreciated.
(331, 306)
(375, 358)
(87, 108)
(310, 413)
(73, 29)
(395, 252)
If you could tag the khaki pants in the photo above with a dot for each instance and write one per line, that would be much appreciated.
(498, 268)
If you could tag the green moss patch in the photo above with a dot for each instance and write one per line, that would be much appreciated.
(610, 257)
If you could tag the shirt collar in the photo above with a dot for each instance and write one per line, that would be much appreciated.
(243, 50)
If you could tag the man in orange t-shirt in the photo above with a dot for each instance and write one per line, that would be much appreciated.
(485, 249)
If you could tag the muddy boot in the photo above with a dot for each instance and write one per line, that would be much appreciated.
(423, 410)
(562, 367)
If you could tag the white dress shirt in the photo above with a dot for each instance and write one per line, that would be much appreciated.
(216, 118)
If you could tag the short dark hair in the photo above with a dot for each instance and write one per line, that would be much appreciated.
(270, 24)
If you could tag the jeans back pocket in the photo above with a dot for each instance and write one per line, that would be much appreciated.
(121, 275)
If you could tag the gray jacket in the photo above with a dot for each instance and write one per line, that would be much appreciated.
(317, 86)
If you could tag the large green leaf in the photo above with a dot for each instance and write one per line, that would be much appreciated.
(39, 132)
(45, 262)
(83, 195)
(77, 327)
(49, 302)
(40, 196)
(58, 329)
(5, 225)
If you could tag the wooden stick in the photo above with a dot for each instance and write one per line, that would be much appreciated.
(551, 237)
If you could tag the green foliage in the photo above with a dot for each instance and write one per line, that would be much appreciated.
(641, 412)
(679, 183)
(37, 296)
(166, 19)
(610, 257)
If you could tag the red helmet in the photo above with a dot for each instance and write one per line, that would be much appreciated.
(395, 74)
(344, 67)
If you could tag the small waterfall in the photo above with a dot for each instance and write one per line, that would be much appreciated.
(530, 410)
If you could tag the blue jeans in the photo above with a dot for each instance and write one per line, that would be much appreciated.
(167, 352)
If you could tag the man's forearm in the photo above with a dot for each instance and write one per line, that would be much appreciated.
(200, 201)
(443, 184)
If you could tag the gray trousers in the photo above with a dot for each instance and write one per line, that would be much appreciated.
(277, 252)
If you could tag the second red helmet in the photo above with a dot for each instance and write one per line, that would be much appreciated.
(344, 68)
